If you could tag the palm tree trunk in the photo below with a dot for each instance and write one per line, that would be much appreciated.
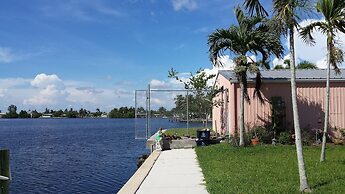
(242, 115)
(327, 98)
(298, 141)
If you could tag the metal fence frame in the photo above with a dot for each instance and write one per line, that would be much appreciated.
(147, 113)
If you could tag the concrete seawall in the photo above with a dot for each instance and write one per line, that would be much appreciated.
(139, 176)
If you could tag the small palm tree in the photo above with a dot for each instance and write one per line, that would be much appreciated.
(334, 13)
(252, 35)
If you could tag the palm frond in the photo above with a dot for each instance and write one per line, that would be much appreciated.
(337, 57)
(257, 91)
(219, 41)
(254, 7)
(306, 32)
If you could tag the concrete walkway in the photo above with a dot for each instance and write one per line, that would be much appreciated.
(175, 171)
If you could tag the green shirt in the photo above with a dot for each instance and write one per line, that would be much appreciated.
(159, 136)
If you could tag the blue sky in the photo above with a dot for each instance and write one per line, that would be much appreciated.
(94, 54)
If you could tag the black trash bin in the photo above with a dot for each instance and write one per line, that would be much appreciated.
(203, 137)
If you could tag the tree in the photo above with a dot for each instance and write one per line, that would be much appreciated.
(301, 65)
(71, 113)
(200, 101)
(286, 15)
(58, 113)
(122, 112)
(162, 111)
(98, 113)
(23, 114)
(306, 65)
(12, 111)
(36, 114)
(334, 13)
(252, 35)
(82, 113)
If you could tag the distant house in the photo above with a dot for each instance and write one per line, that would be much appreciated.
(276, 90)
(47, 115)
(2, 114)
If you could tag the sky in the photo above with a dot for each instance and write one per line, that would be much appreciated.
(61, 54)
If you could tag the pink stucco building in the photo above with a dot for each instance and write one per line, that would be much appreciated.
(276, 91)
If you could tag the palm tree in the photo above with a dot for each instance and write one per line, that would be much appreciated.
(334, 13)
(301, 65)
(286, 16)
(252, 35)
(306, 65)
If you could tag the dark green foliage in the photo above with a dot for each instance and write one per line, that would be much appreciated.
(285, 138)
(36, 114)
(200, 96)
(23, 114)
(123, 112)
(301, 65)
(12, 112)
(279, 67)
(306, 65)
(308, 136)
(269, 169)
(71, 113)
(235, 139)
(265, 134)
(58, 113)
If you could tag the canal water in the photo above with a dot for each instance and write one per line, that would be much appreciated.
(73, 155)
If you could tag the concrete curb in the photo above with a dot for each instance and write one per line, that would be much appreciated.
(139, 176)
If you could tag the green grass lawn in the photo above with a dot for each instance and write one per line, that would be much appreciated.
(183, 131)
(270, 169)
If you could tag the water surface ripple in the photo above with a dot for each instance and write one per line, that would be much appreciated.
(72, 155)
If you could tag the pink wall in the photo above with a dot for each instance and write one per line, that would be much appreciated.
(311, 98)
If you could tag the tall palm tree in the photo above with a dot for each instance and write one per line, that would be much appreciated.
(334, 13)
(252, 35)
(286, 15)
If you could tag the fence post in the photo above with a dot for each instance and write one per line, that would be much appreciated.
(4, 171)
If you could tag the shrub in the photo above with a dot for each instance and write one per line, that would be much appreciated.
(235, 139)
(285, 138)
(308, 136)
(264, 134)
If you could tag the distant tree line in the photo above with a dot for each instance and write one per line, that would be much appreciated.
(195, 109)
(122, 112)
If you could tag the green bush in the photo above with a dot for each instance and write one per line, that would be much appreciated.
(308, 136)
(264, 134)
(285, 138)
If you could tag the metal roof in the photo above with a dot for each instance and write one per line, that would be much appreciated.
(285, 74)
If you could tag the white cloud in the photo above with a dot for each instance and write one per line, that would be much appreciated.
(158, 102)
(316, 53)
(13, 82)
(42, 80)
(277, 61)
(155, 84)
(50, 90)
(184, 4)
(77, 95)
(3, 92)
(49, 95)
(322, 63)
(228, 64)
(6, 55)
